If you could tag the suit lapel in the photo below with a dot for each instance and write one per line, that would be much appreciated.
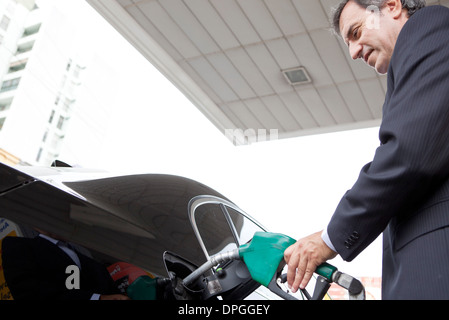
(52, 253)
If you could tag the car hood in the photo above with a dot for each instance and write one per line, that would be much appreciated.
(133, 218)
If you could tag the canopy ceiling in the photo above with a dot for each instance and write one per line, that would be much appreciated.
(227, 57)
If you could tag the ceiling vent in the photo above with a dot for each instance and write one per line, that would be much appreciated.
(297, 76)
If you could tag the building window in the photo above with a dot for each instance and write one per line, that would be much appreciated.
(60, 122)
(10, 84)
(4, 23)
(52, 115)
(2, 122)
(17, 66)
(45, 136)
(25, 47)
(31, 30)
(4, 106)
(39, 155)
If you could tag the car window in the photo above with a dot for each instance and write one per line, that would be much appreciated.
(245, 227)
(222, 228)
(214, 229)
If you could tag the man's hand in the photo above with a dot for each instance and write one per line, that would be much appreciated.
(304, 257)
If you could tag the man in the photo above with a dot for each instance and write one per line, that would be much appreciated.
(404, 191)
(36, 268)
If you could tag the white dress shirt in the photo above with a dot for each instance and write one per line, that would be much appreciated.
(327, 240)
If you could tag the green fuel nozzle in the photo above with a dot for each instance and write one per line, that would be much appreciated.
(264, 255)
(264, 258)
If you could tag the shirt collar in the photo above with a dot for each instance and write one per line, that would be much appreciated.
(54, 241)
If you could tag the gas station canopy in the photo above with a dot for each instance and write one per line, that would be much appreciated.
(254, 65)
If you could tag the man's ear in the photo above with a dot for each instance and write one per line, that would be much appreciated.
(394, 8)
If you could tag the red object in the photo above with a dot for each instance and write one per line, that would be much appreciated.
(120, 270)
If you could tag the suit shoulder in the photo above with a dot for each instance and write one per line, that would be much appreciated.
(434, 11)
(424, 34)
(11, 239)
(427, 18)
(16, 241)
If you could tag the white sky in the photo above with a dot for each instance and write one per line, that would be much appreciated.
(144, 125)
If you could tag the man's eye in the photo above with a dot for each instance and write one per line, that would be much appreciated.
(355, 33)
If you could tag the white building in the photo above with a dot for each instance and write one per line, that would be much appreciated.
(39, 77)
(12, 19)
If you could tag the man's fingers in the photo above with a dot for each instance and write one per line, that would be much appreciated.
(303, 258)
(300, 269)
(302, 275)
(293, 261)
(288, 253)
(296, 269)
(298, 278)
(307, 275)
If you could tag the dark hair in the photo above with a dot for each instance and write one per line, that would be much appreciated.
(411, 5)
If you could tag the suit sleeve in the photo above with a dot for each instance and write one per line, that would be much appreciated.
(20, 268)
(413, 156)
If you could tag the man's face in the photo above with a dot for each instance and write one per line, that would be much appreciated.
(369, 33)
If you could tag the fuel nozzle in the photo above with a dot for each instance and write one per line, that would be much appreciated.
(264, 259)
(264, 255)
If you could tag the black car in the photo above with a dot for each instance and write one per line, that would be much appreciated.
(166, 225)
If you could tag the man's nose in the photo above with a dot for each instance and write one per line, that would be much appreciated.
(355, 50)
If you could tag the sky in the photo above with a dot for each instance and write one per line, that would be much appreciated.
(132, 120)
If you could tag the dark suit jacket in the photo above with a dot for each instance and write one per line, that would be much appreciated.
(406, 186)
(35, 268)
